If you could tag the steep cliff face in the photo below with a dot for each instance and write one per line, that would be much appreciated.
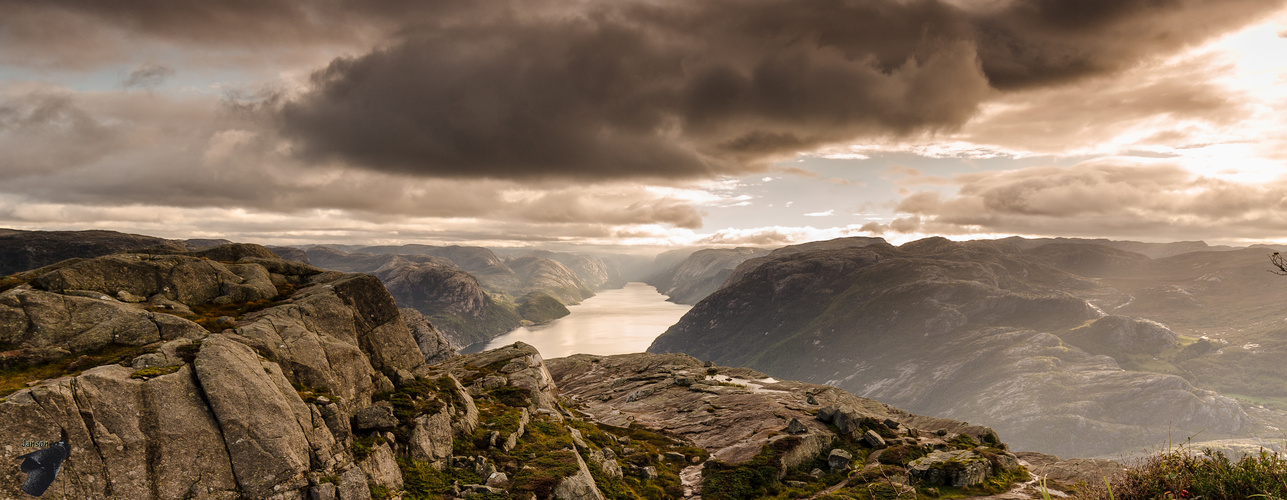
(471, 294)
(595, 273)
(451, 299)
(962, 330)
(550, 277)
(454, 301)
(701, 273)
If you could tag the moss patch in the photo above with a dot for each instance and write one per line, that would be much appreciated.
(16, 377)
(157, 371)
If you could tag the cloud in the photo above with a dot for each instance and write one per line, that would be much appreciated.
(1120, 197)
(148, 76)
(676, 89)
(799, 172)
(64, 149)
(86, 34)
(827, 213)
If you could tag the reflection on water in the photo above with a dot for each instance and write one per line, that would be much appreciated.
(612, 322)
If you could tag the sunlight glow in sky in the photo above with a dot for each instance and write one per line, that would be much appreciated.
(281, 133)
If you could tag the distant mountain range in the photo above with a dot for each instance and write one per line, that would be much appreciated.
(1076, 347)
(470, 293)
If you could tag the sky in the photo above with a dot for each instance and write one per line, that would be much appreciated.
(646, 124)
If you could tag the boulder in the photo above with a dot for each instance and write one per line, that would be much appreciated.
(958, 468)
(873, 440)
(838, 460)
(577, 439)
(431, 438)
(376, 416)
(353, 485)
(795, 427)
(605, 459)
(381, 467)
(498, 480)
(263, 426)
(579, 486)
(433, 344)
(34, 318)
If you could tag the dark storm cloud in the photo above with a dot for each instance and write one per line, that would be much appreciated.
(148, 76)
(84, 34)
(694, 89)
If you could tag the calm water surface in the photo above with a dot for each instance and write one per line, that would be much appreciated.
(612, 322)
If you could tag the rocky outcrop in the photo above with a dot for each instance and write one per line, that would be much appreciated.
(188, 280)
(1118, 336)
(517, 365)
(950, 468)
(737, 415)
(435, 346)
(37, 319)
(579, 486)
(263, 426)
(258, 410)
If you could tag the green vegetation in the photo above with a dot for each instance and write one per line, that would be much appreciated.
(498, 316)
(207, 315)
(16, 376)
(540, 307)
(1276, 403)
(157, 371)
(1185, 473)
(545, 472)
(12, 281)
(378, 492)
(310, 394)
(422, 482)
(363, 446)
(902, 455)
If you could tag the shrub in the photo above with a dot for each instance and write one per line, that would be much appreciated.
(1183, 473)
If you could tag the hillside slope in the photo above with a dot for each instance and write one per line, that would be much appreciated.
(963, 330)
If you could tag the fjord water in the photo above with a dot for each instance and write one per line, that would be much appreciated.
(617, 321)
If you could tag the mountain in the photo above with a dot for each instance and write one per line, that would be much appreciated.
(597, 272)
(230, 373)
(549, 276)
(451, 300)
(1151, 250)
(689, 276)
(27, 250)
(701, 273)
(993, 332)
(471, 293)
(24, 250)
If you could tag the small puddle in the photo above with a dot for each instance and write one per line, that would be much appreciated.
(755, 385)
